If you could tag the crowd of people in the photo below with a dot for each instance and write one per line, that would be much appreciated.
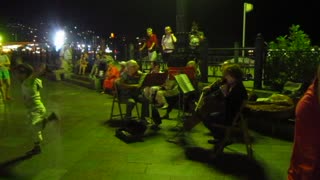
(129, 79)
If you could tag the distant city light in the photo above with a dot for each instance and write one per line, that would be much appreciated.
(59, 39)
(108, 50)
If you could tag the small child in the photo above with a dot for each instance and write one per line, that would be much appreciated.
(31, 86)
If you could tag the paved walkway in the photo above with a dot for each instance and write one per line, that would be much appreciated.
(83, 146)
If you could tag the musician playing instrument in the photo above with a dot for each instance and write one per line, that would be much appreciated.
(234, 94)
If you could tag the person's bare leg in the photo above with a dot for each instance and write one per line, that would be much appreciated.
(2, 91)
(7, 84)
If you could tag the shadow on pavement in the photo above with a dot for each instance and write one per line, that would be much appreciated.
(5, 167)
(238, 165)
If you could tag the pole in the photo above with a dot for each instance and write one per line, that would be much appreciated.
(244, 28)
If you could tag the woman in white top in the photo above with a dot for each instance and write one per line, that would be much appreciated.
(168, 44)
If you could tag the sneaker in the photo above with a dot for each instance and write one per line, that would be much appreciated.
(34, 151)
(53, 116)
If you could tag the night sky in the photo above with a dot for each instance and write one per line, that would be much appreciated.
(221, 20)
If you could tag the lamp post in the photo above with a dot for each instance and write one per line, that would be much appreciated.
(247, 7)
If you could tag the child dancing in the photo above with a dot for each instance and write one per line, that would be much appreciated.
(36, 111)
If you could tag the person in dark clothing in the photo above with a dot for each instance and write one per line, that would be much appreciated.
(130, 90)
(234, 94)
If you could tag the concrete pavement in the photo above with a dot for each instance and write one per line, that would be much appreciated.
(82, 145)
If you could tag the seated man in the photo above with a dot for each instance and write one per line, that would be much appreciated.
(129, 88)
(234, 94)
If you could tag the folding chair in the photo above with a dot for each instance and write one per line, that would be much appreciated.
(239, 124)
(117, 101)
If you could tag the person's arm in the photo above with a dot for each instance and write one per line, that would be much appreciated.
(143, 46)
(154, 41)
(7, 63)
(124, 85)
(174, 39)
(152, 45)
(162, 42)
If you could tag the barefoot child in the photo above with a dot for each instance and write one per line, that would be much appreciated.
(31, 86)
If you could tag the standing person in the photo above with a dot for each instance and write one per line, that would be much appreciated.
(305, 158)
(196, 41)
(31, 86)
(151, 44)
(83, 63)
(4, 75)
(95, 66)
(67, 63)
(168, 45)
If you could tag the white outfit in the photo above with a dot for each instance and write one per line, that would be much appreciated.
(167, 43)
(35, 108)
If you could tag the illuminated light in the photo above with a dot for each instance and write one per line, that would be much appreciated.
(112, 35)
(59, 39)
(108, 50)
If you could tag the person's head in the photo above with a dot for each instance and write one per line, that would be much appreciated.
(192, 64)
(23, 71)
(194, 27)
(232, 73)
(123, 66)
(149, 31)
(132, 67)
(98, 56)
(168, 30)
(155, 66)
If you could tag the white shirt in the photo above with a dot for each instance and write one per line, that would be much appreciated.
(3, 60)
(31, 94)
(167, 43)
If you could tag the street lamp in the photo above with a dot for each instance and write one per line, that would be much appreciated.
(59, 39)
(247, 7)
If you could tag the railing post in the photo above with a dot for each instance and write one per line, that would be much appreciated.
(204, 61)
(258, 63)
(236, 52)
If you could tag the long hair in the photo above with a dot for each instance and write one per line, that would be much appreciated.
(24, 69)
(233, 70)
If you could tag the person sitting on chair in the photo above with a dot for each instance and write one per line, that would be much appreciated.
(129, 88)
(149, 91)
(234, 94)
(111, 75)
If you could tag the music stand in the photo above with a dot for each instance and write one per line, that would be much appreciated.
(183, 75)
(189, 71)
(155, 79)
